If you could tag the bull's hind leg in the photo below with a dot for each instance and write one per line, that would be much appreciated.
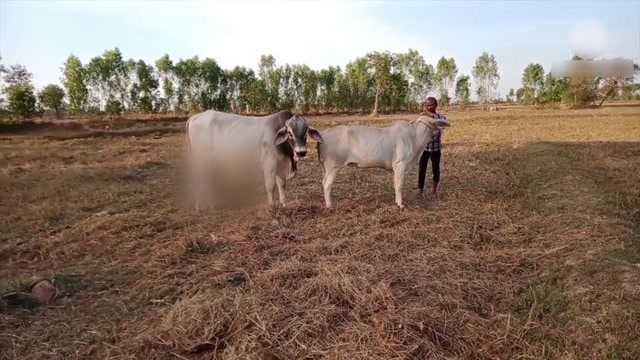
(398, 180)
(269, 185)
(327, 182)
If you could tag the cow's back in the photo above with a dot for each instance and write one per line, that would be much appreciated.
(237, 141)
(359, 145)
(218, 130)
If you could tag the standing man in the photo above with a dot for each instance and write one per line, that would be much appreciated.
(433, 149)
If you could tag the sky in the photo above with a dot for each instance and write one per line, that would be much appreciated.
(42, 34)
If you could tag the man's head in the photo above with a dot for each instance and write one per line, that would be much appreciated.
(431, 104)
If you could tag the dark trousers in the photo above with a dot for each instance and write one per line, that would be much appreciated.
(435, 167)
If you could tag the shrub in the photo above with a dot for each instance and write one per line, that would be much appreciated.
(51, 98)
(114, 107)
(21, 100)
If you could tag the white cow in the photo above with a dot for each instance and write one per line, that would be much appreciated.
(393, 148)
(235, 147)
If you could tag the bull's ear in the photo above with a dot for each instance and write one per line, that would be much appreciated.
(281, 136)
(315, 134)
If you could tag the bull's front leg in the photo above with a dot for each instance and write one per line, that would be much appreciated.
(398, 180)
(282, 184)
(269, 184)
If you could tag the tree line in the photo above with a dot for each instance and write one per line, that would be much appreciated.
(375, 82)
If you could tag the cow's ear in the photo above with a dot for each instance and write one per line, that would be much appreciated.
(315, 134)
(281, 136)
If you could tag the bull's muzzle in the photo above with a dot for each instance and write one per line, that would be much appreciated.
(300, 152)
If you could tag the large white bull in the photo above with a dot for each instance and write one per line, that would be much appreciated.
(393, 148)
(240, 147)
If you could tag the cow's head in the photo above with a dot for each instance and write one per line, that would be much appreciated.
(295, 131)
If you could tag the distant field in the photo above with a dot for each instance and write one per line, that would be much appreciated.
(531, 251)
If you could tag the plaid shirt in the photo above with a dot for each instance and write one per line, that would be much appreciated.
(436, 141)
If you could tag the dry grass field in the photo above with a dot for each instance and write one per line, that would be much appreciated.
(532, 250)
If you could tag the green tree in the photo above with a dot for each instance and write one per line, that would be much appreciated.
(357, 85)
(241, 83)
(533, 82)
(379, 64)
(21, 100)
(144, 89)
(51, 97)
(74, 80)
(17, 75)
(519, 95)
(511, 95)
(258, 96)
(485, 73)
(187, 73)
(328, 87)
(419, 76)
(554, 89)
(446, 72)
(305, 84)
(580, 91)
(271, 77)
(113, 107)
(164, 65)
(396, 96)
(108, 77)
(344, 97)
(286, 88)
(212, 86)
(463, 86)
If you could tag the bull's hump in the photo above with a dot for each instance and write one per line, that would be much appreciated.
(284, 114)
